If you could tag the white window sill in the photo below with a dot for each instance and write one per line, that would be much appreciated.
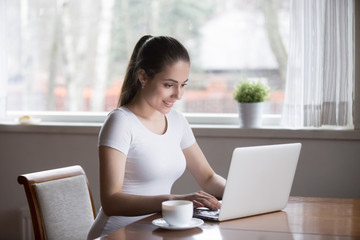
(203, 125)
(200, 130)
(275, 133)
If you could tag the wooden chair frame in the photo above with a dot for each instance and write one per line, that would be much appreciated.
(28, 180)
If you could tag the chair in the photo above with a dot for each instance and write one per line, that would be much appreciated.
(60, 202)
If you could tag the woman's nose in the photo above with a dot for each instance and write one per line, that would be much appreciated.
(178, 93)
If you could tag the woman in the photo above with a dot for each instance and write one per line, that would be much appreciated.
(145, 146)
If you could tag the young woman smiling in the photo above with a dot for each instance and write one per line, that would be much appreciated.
(145, 145)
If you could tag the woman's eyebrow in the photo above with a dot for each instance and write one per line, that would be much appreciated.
(175, 81)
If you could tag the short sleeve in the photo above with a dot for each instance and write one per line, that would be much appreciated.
(116, 131)
(188, 138)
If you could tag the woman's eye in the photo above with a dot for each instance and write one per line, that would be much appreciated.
(167, 85)
(183, 85)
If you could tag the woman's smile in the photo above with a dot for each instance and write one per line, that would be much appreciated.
(169, 104)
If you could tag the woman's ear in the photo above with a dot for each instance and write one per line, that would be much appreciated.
(142, 76)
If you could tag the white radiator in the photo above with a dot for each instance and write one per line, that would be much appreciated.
(27, 232)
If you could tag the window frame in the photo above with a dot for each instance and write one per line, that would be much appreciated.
(356, 103)
(197, 119)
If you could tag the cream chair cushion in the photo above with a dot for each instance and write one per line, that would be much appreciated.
(66, 207)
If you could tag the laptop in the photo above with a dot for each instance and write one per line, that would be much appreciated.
(259, 181)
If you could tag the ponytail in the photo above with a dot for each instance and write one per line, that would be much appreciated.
(131, 85)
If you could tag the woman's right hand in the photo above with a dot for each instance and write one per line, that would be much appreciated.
(201, 199)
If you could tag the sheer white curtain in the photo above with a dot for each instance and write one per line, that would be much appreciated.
(320, 74)
(3, 59)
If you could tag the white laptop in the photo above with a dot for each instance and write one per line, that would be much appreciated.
(259, 181)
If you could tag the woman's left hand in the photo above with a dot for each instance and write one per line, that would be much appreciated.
(201, 199)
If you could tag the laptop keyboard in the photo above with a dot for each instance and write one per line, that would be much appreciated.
(212, 213)
(207, 214)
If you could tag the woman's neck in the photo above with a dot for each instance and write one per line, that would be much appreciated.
(153, 120)
(143, 111)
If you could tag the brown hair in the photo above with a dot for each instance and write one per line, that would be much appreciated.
(151, 54)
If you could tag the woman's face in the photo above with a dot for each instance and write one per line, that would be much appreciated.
(166, 87)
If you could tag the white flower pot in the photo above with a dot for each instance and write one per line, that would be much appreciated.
(250, 114)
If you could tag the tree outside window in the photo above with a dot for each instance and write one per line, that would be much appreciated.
(71, 55)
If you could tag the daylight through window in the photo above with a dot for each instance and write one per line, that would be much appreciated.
(71, 55)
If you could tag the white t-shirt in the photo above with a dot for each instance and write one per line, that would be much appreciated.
(154, 162)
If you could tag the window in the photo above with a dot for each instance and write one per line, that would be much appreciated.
(71, 55)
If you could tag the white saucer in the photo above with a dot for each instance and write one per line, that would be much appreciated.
(160, 222)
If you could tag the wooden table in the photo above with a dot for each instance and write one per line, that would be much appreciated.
(303, 218)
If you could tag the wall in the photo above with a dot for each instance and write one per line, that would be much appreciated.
(328, 167)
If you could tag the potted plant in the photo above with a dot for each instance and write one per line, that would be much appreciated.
(250, 96)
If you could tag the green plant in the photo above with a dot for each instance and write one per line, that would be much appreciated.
(250, 92)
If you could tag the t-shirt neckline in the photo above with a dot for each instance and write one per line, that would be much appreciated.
(143, 126)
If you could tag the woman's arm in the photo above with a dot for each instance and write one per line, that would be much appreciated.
(199, 167)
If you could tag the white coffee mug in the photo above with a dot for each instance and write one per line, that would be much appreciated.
(177, 213)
